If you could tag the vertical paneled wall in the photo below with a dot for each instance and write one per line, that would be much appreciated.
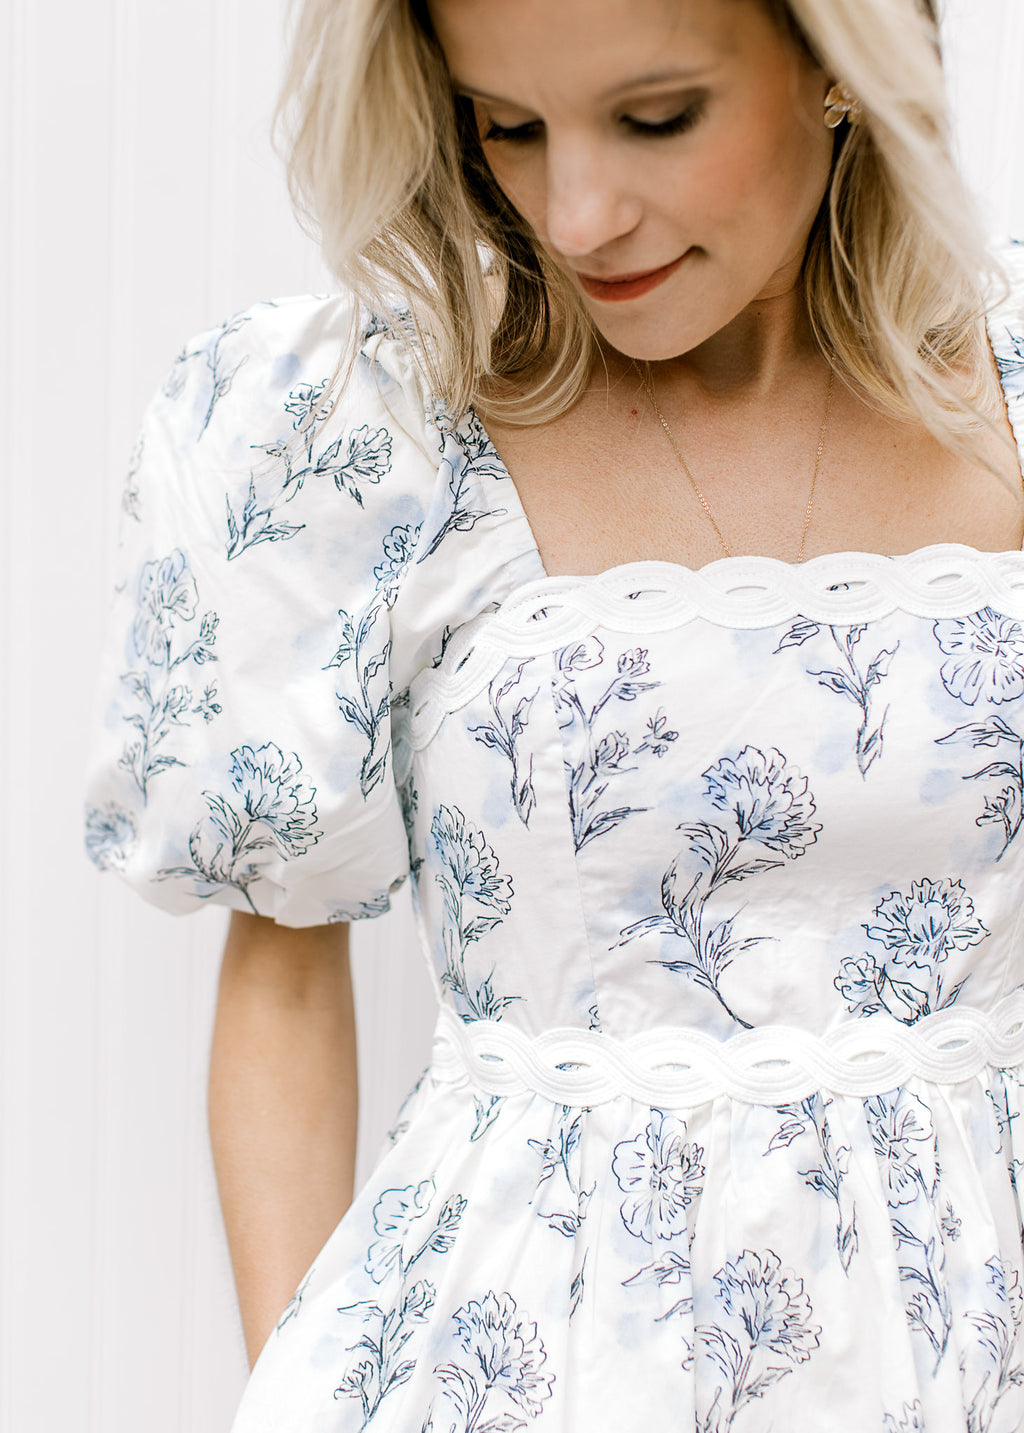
(139, 202)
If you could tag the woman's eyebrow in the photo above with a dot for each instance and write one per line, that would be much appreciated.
(659, 77)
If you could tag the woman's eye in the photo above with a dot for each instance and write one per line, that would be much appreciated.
(678, 124)
(518, 134)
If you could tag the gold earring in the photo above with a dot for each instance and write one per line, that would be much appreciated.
(840, 104)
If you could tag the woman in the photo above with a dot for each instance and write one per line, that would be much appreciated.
(691, 703)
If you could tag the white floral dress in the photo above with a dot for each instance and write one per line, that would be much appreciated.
(718, 874)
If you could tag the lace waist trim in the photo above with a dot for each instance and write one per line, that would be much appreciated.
(774, 1065)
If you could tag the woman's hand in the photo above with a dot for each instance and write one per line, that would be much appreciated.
(283, 1106)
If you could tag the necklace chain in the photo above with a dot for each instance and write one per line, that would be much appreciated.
(648, 383)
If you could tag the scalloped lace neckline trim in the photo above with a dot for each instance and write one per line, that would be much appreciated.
(732, 573)
(737, 593)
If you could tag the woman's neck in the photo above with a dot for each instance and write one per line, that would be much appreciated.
(749, 360)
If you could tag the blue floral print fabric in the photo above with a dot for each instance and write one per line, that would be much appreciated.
(719, 875)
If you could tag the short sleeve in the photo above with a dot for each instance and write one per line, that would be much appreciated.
(242, 753)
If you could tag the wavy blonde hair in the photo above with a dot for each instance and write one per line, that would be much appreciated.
(385, 166)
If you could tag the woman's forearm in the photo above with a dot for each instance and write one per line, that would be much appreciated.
(283, 1105)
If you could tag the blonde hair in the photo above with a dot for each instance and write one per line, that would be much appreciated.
(385, 164)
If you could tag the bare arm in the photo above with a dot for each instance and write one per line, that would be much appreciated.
(282, 1106)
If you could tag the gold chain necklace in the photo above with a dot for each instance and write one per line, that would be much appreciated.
(648, 383)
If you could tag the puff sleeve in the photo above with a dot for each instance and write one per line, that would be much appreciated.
(242, 755)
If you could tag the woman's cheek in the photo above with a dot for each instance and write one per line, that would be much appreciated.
(509, 179)
(527, 195)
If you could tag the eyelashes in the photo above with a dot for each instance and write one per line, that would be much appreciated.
(520, 134)
(678, 124)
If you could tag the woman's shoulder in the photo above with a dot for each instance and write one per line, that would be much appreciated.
(299, 362)
(1008, 295)
(294, 415)
(1006, 321)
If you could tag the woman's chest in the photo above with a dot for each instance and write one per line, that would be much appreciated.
(634, 686)
(603, 486)
(840, 789)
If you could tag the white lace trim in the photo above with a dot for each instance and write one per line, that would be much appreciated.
(774, 1065)
(736, 592)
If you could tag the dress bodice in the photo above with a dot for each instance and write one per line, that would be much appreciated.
(746, 796)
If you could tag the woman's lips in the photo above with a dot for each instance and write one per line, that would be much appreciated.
(631, 286)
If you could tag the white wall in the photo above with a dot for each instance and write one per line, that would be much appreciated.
(140, 202)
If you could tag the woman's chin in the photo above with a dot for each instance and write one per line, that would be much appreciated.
(656, 345)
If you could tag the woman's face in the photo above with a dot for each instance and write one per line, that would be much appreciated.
(638, 136)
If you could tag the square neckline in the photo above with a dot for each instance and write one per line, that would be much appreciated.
(996, 323)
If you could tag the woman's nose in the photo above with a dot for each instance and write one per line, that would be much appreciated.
(589, 201)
